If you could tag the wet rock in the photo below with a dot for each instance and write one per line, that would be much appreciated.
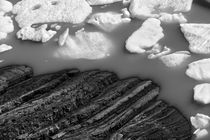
(202, 93)
(145, 37)
(199, 70)
(11, 75)
(88, 105)
(44, 11)
(198, 37)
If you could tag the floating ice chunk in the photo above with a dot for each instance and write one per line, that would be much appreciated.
(145, 37)
(63, 37)
(126, 2)
(165, 51)
(43, 11)
(4, 48)
(126, 13)
(5, 6)
(102, 2)
(3, 35)
(108, 21)
(175, 59)
(36, 34)
(199, 70)
(201, 133)
(202, 93)
(200, 121)
(152, 8)
(56, 26)
(6, 26)
(198, 36)
(172, 18)
(85, 45)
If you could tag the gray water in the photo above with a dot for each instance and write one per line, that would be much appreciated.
(176, 87)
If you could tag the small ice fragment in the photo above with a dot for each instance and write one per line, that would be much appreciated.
(200, 121)
(202, 93)
(108, 21)
(85, 45)
(6, 26)
(175, 59)
(63, 37)
(143, 9)
(199, 70)
(55, 26)
(172, 18)
(102, 2)
(201, 133)
(165, 51)
(198, 36)
(4, 48)
(5, 6)
(145, 37)
(126, 2)
(126, 13)
(36, 34)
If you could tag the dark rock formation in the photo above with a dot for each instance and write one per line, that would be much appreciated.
(91, 105)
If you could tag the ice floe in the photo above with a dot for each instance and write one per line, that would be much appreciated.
(63, 37)
(6, 26)
(199, 70)
(175, 59)
(102, 2)
(36, 34)
(5, 47)
(84, 45)
(172, 18)
(159, 54)
(200, 121)
(198, 36)
(201, 133)
(108, 21)
(145, 37)
(143, 9)
(44, 11)
(5, 6)
(202, 93)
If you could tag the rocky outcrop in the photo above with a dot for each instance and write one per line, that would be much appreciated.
(90, 105)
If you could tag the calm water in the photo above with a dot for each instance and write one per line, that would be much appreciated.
(176, 87)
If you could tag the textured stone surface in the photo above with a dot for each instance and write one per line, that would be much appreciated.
(90, 105)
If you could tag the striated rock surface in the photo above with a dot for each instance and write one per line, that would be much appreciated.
(90, 105)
